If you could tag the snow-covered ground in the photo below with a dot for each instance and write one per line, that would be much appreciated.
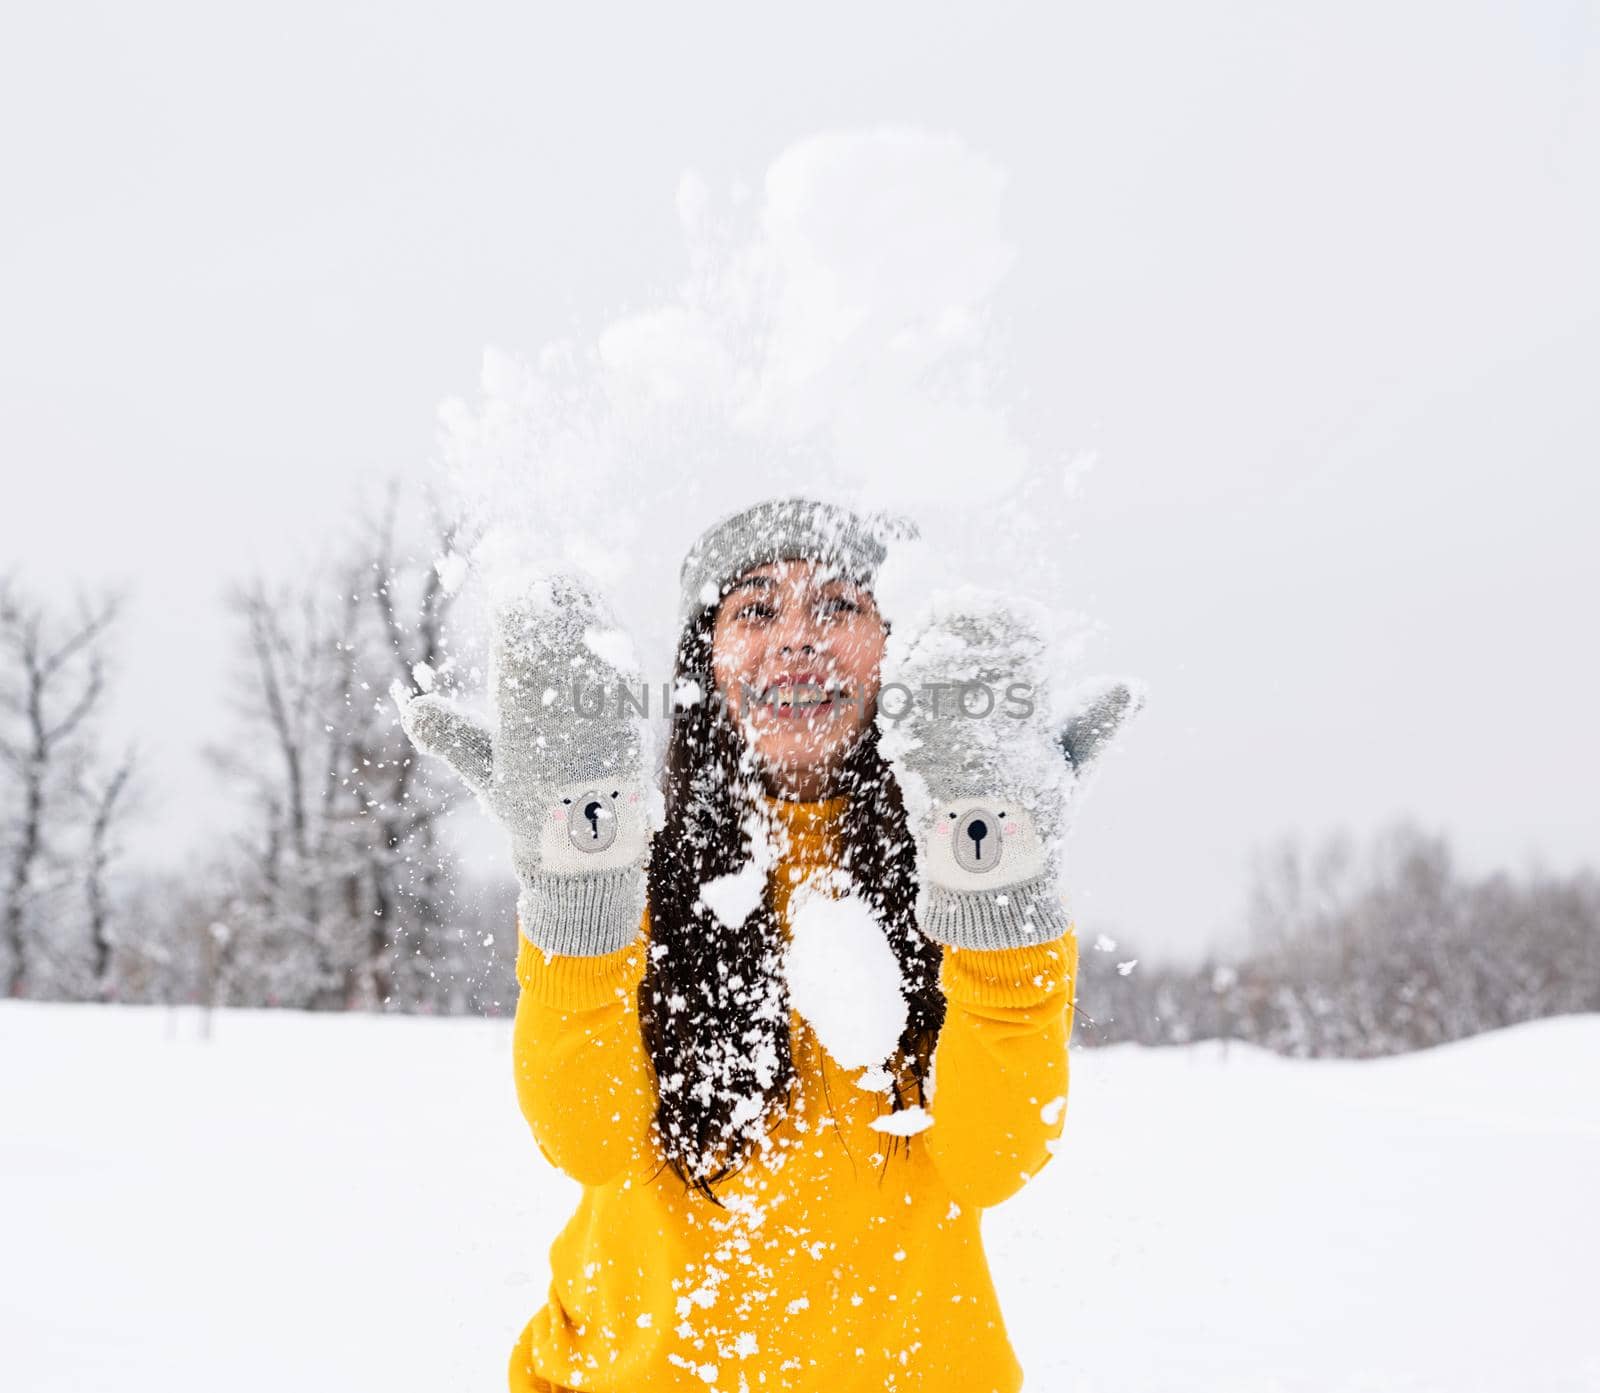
(351, 1203)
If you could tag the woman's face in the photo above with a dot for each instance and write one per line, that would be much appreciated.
(795, 654)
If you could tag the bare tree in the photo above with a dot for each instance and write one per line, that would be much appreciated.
(289, 687)
(340, 900)
(107, 800)
(52, 686)
(411, 603)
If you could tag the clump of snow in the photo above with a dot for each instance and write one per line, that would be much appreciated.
(843, 977)
(905, 1123)
(733, 897)
(833, 323)
(1051, 1112)
(452, 570)
(424, 676)
(613, 647)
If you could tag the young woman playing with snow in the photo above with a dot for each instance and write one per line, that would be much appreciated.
(783, 1170)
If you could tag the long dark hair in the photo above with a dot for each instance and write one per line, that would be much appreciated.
(713, 1005)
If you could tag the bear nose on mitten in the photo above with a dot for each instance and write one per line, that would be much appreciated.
(592, 824)
(975, 846)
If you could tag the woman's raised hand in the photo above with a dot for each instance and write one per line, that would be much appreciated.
(964, 720)
(564, 768)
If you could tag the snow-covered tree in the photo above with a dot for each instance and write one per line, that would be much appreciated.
(1365, 951)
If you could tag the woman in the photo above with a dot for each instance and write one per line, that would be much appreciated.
(756, 1215)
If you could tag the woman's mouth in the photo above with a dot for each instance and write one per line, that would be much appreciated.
(793, 694)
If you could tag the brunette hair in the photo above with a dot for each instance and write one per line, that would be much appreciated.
(713, 1004)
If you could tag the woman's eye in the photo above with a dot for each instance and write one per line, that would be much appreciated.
(761, 609)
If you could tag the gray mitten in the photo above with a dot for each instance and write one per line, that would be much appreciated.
(964, 720)
(563, 770)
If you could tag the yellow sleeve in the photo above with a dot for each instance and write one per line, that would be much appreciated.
(583, 1081)
(1000, 1067)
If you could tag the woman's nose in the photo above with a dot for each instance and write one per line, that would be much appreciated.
(796, 632)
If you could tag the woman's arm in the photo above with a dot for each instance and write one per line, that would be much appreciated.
(1000, 1068)
(988, 801)
(570, 789)
(583, 1081)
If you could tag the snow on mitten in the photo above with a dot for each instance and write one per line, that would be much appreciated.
(964, 720)
(563, 770)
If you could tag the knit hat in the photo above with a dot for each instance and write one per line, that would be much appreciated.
(781, 529)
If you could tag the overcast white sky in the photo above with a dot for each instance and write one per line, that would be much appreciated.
(1316, 284)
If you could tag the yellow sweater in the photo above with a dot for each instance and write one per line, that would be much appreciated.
(832, 1268)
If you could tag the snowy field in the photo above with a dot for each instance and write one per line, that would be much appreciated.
(350, 1203)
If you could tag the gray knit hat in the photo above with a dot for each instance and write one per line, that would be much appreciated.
(780, 529)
